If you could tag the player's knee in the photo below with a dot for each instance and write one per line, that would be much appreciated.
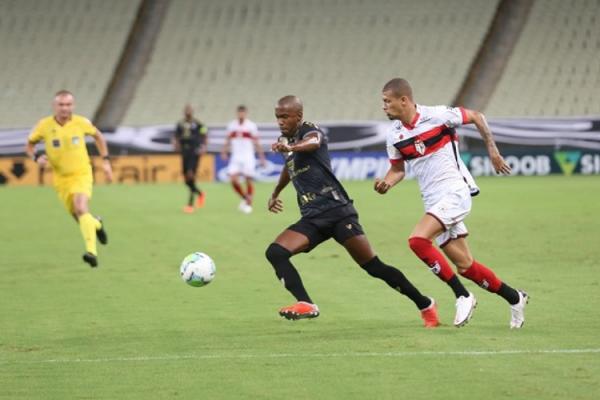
(463, 265)
(276, 253)
(418, 244)
(79, 209)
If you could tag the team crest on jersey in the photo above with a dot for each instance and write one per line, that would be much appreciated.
(420, 146)
(56, 143)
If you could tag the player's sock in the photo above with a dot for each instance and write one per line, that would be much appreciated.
(238, 189)
(396, 280)
(279, 257)
(88, 225)
(487, 279)
(249, 191)
(437, 264)
(192, 186)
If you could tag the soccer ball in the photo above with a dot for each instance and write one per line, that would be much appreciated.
(197, 269)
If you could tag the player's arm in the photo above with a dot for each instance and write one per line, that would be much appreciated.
(259, 151)
(103, 151)
(394, 175)
(310, 142)
(477, 118)
(41, 159)
(226, 146)
(203, 139)
(275, 204)
(175, 139)
(35, 137)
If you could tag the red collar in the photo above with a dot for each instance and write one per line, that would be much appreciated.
(413, 122)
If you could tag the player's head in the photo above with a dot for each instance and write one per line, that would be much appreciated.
(242, 112)
(289, 112)
(188, 112)
(397, 98)
(63, 104)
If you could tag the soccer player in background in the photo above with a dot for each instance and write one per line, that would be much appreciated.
(425, 138)
(63, 134)
(190, 142)
(327, 212)
(242, 142)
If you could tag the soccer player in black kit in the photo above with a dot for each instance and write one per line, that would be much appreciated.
(190, 141)
(327, 212)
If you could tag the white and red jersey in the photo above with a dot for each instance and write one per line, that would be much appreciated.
(426, 144)
(242, 136)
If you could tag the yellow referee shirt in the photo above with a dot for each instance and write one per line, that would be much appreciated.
(65, 144)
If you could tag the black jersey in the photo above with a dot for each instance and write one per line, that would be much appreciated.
(191, 135)
(317, 188)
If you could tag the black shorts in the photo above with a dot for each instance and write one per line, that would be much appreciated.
(340, 223)
(189, 162)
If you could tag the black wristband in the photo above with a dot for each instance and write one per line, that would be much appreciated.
(107, 158)
(35, 157)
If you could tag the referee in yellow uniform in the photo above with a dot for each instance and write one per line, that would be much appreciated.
(64, 137)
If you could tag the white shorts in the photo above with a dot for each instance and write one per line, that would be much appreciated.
(451, 210)
(245, 166)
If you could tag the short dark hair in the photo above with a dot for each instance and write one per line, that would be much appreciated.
(242, 107)
(399, 87)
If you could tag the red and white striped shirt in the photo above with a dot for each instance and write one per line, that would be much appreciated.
(242, 135)
(426, 145)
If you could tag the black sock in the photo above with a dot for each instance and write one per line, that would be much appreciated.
(193, 190)
(279, 257)
(457, 287)
(396, 280)
(509, 294)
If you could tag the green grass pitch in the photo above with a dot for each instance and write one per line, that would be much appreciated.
(133, 330)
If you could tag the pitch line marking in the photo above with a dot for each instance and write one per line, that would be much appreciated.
(474, 353)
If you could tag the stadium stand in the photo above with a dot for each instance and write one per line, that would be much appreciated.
(555, 67)
(51, 45)
(335, 54)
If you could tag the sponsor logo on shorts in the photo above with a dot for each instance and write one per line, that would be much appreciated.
(349, 226)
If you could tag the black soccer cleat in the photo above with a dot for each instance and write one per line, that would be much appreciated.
(101, 233)
(91, 259)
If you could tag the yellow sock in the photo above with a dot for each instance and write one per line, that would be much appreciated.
(88, 225)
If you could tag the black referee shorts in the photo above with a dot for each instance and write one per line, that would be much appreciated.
(340, 223)
(189, 162)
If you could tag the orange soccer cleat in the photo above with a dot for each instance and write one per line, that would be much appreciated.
(430, 315)
(188, 209)
(200, 200)
(300, 310)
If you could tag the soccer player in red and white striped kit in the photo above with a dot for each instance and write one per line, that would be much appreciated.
(425, 138)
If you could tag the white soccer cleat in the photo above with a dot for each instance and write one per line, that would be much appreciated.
(517, 311)
(464, 309)
(244, 207)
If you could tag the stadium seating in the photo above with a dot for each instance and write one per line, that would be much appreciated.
(555, 67)
(335, 54)
(51, 45)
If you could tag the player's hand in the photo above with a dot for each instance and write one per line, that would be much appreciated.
(500, 166)
(280, 147)
(42, 160)
(224, 156)
(275, 205)
(263, 162)
(108, 173)
(381, 186)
